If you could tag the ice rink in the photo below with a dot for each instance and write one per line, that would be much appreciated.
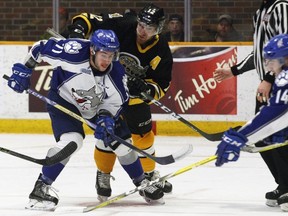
(234, 189)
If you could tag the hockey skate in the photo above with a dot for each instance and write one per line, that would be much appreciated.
(271, 198)
(40, 199)
(103, 185)
(165, 186)
(152, 194)
(283, 202)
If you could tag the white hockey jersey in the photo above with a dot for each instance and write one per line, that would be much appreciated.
(274, 116)
(74, 80)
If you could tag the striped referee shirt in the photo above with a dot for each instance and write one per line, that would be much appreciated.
(270, 20)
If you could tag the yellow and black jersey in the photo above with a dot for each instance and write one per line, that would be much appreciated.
(154, 59)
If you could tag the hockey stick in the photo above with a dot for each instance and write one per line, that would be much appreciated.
(178, 172)
(54, 33)
(161, 160)
(211, 137)
(163, 178)
(61, 155)
(254, 149)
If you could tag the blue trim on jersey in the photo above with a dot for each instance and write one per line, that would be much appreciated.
(62, 50)
(276, 108)
(74, 80)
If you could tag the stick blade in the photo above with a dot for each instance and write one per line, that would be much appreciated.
(186, 150)
(216, 136)
(169, 159)
(61, 155)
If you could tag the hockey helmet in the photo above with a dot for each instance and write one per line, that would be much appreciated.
(152, 15)
(105, 40)
(277, 47)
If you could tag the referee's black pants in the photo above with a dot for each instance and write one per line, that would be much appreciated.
(277, 161)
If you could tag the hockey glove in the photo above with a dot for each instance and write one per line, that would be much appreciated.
(76, 31)
(20, 79)
(104, 127)
(230, 146)
(136, 86)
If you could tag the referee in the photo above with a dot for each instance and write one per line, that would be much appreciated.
(269, 20)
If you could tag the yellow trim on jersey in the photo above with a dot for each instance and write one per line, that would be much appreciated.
(154, 62)
(158, 90)
(148, 47)
(84, 16)
(134, 101)
(159, 93)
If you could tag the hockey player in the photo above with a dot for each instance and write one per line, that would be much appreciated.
(89, 81)
(146, 53)
(269, 20)
(271, 119)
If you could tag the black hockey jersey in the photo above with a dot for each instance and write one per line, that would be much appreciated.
(154, 60)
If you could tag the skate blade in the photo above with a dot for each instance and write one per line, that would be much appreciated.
(155, 202)
(40, 205)
(284, 207)
(271, 203)
(102, 198)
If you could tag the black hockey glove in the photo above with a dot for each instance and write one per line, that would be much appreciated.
(136, 86)
(76, 31)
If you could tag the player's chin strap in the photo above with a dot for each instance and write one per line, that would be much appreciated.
(161, 160)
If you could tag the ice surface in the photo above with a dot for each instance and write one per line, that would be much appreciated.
(235, 189)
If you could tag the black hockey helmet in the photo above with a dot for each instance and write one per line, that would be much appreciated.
(152, 15)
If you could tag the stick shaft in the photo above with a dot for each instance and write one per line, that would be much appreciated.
(161, 160)
(211, 137)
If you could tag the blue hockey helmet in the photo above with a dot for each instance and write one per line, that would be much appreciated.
(277, 47)
(152, 15)
(105, 40)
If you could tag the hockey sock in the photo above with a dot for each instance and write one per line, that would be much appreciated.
(104, 160)
(145, 142)
(50, 173)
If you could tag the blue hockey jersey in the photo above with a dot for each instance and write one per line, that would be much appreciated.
(74, 80)
(274, 116)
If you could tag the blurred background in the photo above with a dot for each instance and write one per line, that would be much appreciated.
(27, 20)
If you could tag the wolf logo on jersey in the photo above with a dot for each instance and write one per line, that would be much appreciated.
(87, 99)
